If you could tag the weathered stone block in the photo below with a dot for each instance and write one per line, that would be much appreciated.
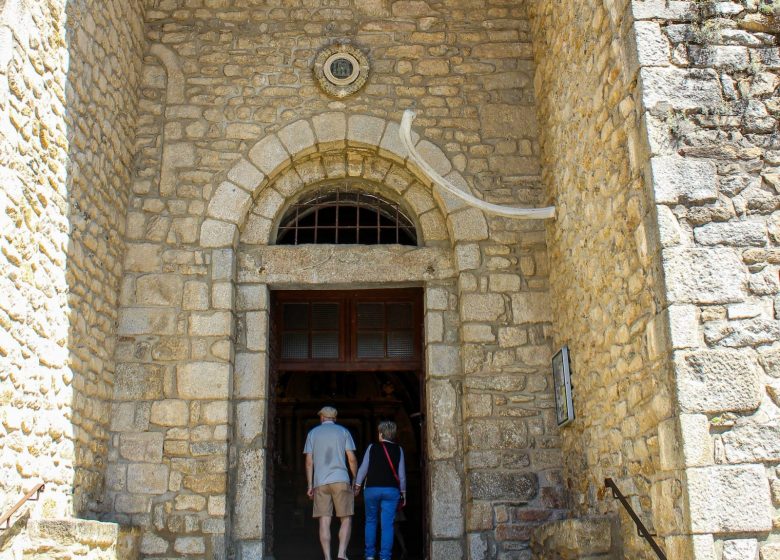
(130, 503)
(190, 545)
(676, 178)
(256, 330)
(203, 380)
(742, 333)
(250, 375)
(443, 360)
(752, 441)
(680, 88)
(268, 154)
(229, 203)
(446, 500)
(718, 380)
(508, 121)
(215, 233)
(447, 549)
(729, 499)
(742, 549)
(683, 326)
(147, 479)
(651, 45)
(147, 320)
(531, 307)
(442, 414)
(469, 225)
(468, 257)
(250, 417)
(211, 324)
(138, 382)
(482, 307)
(152, 544)
(170, 413)
(143, 257)
(572, 539)
(222, 264)
(159, 289)
(749, 233)
(249, 491)
(704, 276)
(770, 551)
(196, 295)
(330, 127)
(521, 487)
(144, 447)
(297, 137)
(190, 502)
(363, 129)
(246, 175)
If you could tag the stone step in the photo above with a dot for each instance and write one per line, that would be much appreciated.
(588, 538)
(63, 539)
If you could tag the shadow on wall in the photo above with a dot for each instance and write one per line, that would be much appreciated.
(68, 103)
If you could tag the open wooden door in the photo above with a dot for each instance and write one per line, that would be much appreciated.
(360, 351)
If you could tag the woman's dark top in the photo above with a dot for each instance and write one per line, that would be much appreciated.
(376, 471)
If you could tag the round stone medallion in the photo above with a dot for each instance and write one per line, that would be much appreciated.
(341, 69)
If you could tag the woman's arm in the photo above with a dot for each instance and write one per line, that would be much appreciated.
(402, 473)
(363, 470)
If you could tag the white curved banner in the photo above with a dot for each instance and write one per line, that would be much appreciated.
(507, 211)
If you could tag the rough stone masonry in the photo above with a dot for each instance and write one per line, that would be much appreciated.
(149, 149)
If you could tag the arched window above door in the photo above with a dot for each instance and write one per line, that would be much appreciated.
(344, 216)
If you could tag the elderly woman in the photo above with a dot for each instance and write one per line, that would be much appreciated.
(384, 475)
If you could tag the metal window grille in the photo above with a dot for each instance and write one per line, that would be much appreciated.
(343, 217)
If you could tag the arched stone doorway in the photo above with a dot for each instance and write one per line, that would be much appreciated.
(305, 154)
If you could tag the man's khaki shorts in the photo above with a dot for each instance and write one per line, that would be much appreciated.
(339, 494)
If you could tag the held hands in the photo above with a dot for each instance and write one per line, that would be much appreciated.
(356, 488)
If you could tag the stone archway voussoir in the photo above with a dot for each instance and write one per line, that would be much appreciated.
(298, 138)
(269, 154)
(330, 127)
(229, 203)
(365, 130)
(246, 175)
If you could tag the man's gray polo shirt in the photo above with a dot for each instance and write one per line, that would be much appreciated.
(328, 444)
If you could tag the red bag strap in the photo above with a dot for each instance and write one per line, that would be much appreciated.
(392, 468)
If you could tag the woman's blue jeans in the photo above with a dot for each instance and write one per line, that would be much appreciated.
(381, 504)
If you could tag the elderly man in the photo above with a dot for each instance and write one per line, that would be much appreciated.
(329, 449)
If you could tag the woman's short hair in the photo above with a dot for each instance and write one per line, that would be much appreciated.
(388, 430)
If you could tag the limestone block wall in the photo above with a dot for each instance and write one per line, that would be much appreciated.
(232, 129)
(709, 82)
(699, 79)
(68, 105)
(605, 272)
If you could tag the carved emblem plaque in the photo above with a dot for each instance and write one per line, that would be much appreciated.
(341, 69)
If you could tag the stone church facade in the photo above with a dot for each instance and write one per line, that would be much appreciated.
(151, 148)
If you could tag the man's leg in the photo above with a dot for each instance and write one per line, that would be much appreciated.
(345, 532)
(325, 536)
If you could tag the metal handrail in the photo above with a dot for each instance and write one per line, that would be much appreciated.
(6, 518)
(640, 527)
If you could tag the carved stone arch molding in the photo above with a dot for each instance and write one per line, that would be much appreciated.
(242, 216)
(332, 133)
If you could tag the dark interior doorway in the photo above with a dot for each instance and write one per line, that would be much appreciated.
(368, 364)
